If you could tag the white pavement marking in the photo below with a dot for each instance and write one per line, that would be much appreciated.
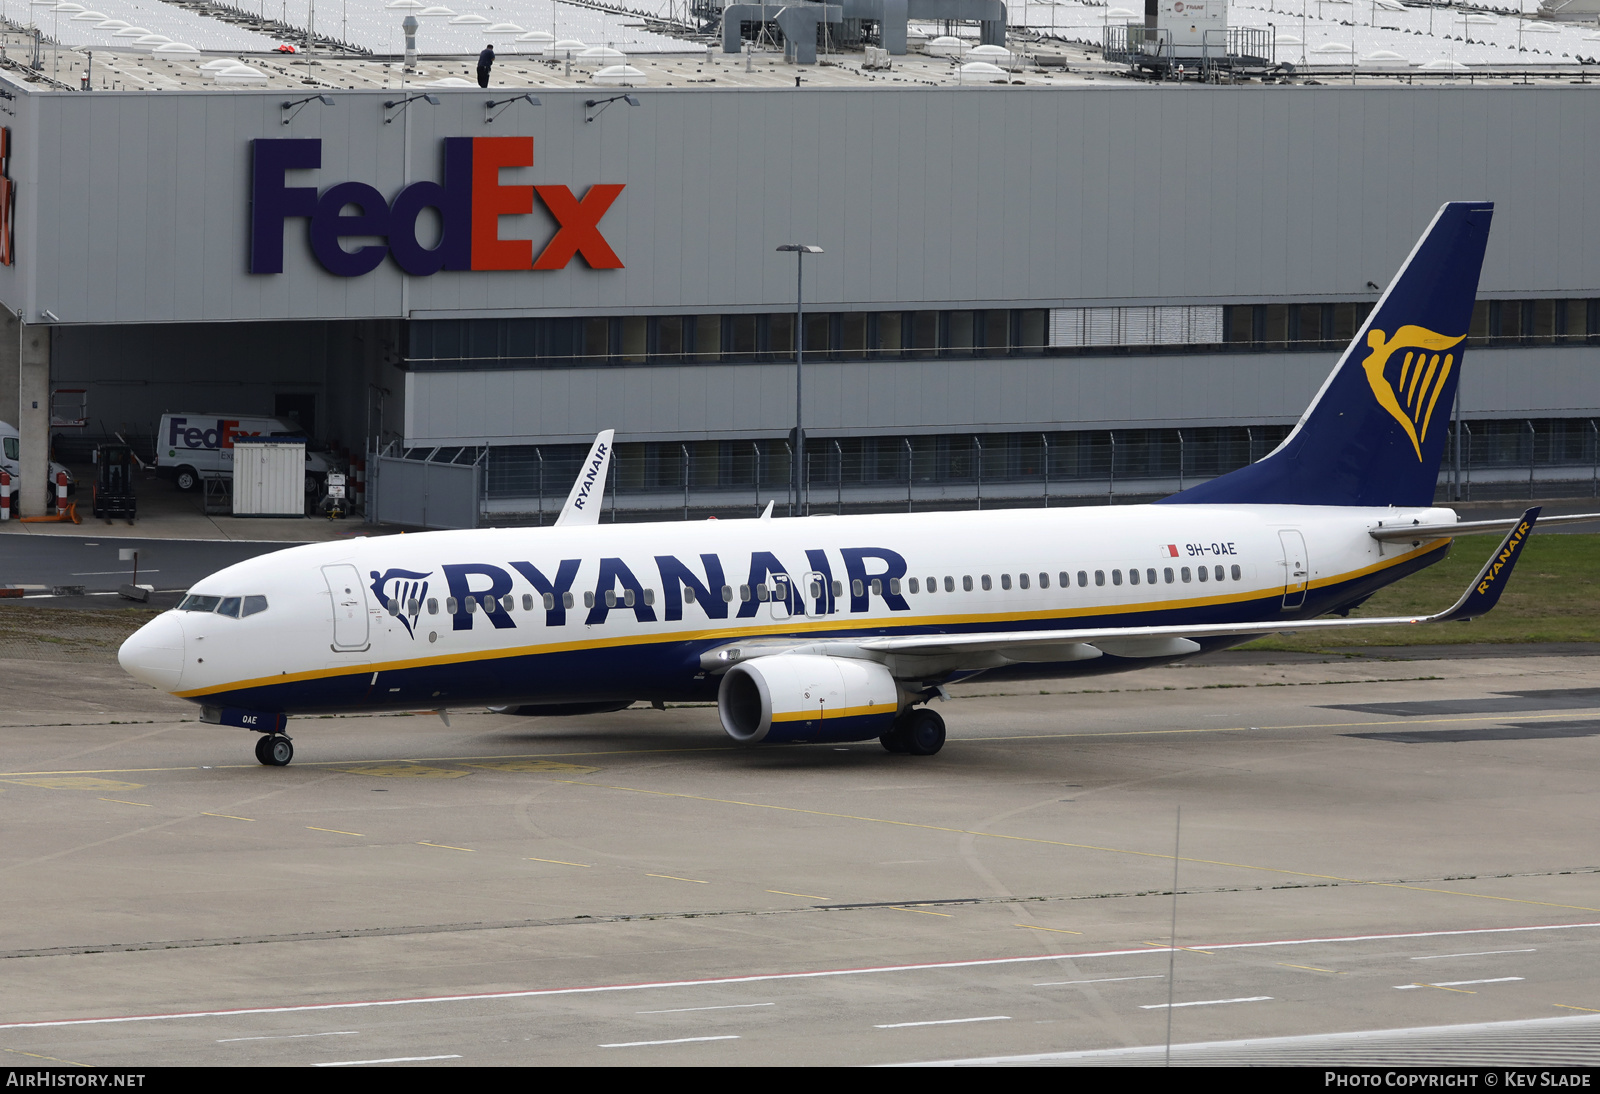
(758, 978)
(1480, 953)
(1207, 1002)
(1313, 1039)
(1457, 983)
(686, 1010)
(946, 1022)
(288, 1036)
(1107, 980)
(674, 1041)
(390, 1060)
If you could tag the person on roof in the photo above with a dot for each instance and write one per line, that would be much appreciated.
(485, 59)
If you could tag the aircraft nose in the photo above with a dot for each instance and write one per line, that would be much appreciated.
(153, 654)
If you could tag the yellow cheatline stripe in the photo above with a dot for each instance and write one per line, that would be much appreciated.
(1084, 847)
(824, 713)
(831, 625)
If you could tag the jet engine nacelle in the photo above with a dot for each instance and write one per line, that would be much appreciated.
(807, 697)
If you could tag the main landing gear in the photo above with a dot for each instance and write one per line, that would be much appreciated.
(919, 732)
(276, 750)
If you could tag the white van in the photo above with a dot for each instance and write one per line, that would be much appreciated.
(11, 464)
(194, 447)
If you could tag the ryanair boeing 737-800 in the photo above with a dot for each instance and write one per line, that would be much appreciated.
(844, 628)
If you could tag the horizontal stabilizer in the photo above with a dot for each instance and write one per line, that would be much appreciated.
(1417, 532)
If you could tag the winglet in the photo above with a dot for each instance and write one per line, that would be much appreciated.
(1485, 590)
(589, 491)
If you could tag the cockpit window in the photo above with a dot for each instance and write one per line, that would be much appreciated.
(254, 604)
(229, 607)
(193, 603)
(234, 607)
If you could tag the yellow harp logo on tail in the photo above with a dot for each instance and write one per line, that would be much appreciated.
(1412, 393)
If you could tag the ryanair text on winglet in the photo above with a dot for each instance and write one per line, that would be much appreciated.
(1511, 548)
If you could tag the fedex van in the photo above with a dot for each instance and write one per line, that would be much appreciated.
(194, 447)
(11, 464)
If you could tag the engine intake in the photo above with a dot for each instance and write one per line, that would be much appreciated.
(807, 697)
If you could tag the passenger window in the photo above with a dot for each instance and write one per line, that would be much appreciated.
(987, 584)
(1219, 571)
(838, 588)
(1044, 580)
(762, 592)
(527, 602)
(472, 604)
(588, 599)
(1133, 577)
(933, 584)
(390, 606)
(966, 582)
(1184, 573)
(649, 597)
(254, 604)
(611, 598)
(550, 602)
(727, 593)
(816, 590)
(1083, 579)
(949, 584)
(433, 605)
(508, 602)
(1005, 581)
(1237, 576)
(566, 600)
(488, 603)
(877, 587)
(744, 594)
(1116, 577)
(857, 588)
(1099, 577)
(230, 607)
(894, 586)
(451, 605)
(1166, 575)
(688, 594)
(628, 596)
(1200, 572)
(913, 585)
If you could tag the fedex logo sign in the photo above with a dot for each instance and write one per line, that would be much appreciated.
(180, 434)
(469, 204)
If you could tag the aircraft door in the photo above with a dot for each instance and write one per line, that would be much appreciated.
(1296, 568)
(778, 603)
(817, 598)
(349, 606)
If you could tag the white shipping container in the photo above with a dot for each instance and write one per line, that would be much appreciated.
(269, 477)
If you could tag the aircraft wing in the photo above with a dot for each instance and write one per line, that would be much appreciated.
(1168, 641)
(589, 491)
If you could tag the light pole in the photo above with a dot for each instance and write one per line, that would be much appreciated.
(797, 506)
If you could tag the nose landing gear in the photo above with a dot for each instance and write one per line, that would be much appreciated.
(274, 750)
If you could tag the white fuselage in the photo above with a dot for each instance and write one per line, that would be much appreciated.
(585, 614)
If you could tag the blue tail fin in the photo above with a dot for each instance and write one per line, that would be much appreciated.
(1376, 432)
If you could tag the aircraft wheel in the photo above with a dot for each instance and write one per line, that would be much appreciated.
(897, 739)
(261, 748)
(279, 751)
(924, 733)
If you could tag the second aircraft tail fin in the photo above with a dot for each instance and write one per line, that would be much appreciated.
(589, 491)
